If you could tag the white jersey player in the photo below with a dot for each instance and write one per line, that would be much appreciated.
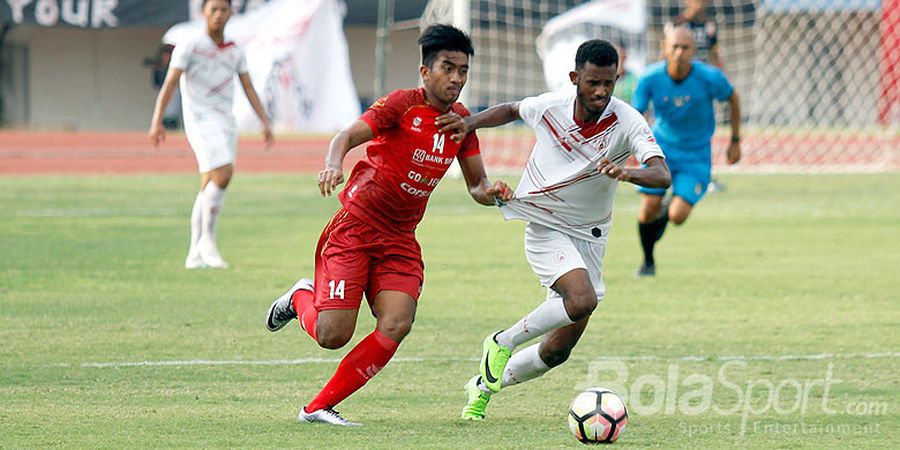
(561, 187)
(566, 195)
(207, 92)
(206, 65)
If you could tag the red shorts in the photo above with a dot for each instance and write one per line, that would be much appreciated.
(353, 258)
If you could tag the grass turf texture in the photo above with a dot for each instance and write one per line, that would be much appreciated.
(91, 272)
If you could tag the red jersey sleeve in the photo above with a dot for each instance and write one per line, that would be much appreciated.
(386, 112)
(469, 146)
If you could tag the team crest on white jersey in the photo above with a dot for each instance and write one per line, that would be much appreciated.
(561, 257)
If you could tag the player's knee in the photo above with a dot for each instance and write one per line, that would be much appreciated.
(647, 214)
(581, 305)
(555, 356)
(222, 180)
(334, 339)
(395, 328)
(221, 176)
(678, 218)
(679, 210)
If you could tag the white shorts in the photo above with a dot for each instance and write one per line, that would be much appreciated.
(553, 254)
(214, 144)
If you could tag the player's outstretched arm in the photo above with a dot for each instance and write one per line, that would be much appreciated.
(654, 173)
(253, 98)
(480, 188)
(734, 149)
(157, 130)
(494, 116)
(333, 175)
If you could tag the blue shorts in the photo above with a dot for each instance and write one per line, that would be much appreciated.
(689, 180)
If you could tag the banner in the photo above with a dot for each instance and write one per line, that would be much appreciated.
(795, 6)
(107, 13)
(299, 63)
(621, 22)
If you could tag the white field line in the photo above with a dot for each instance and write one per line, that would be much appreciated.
(170, 212)
(413, 359)
(95, 212)
(245, 362)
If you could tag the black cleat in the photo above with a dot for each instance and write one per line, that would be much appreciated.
(646, 270)
(282, 311)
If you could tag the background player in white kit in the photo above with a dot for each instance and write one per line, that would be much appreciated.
(566, 195)
(206, 64)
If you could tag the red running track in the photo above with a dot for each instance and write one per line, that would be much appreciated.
(28, 153)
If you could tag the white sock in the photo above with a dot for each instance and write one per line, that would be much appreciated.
(213, 199)
(549, 316)
(196, 223)
(523, 366)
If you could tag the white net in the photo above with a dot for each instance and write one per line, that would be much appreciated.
(819, 80)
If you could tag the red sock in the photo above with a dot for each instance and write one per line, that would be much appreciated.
(360, 365)
(306, 312)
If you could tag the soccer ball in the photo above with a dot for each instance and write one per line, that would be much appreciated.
(597, 416)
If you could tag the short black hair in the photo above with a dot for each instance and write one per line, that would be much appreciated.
(597, 52)
(440, 37)
(202, 5)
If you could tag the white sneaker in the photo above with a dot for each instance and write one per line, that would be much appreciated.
(215, 262)
(211, 257)
(327, 415)
(715, 186)
(282, 310)
(194, 261)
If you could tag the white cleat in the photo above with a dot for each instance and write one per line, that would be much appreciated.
(215, 262)
(194, 261)
(212, 258)
(282, 310)
(327, 416)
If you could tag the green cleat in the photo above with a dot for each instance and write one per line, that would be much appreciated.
(493, 361)
(476, 400)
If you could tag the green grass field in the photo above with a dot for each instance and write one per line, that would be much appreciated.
(773, 290)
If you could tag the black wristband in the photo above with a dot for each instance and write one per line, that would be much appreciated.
(735, 139)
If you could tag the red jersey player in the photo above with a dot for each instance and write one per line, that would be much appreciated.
(369, 247)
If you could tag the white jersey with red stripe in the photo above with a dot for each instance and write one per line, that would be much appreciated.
(561, 187)
(208, 81)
